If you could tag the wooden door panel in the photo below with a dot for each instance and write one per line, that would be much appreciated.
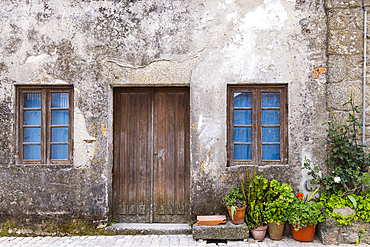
(171, 123)
(133, 126)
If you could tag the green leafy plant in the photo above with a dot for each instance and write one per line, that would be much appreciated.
(280, 196)
(304, 212)
(347, 180)
(361, 205)
(330, 202)
(360, 235)
(234, 199)
(255, 191)
(349, 159)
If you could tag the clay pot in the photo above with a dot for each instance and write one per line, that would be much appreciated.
(276, 231)
(259, 233)
(238, 215)
(304, 234)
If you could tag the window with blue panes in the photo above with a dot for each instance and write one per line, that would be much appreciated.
(257, 124)
(44, 125)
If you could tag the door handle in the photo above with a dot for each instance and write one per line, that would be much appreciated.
(160, 155)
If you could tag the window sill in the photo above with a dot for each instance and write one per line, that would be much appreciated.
(45, 165)
(238, 165)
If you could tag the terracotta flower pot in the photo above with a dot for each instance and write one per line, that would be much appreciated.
(238, 215)
(304, 234)
(275, 230)
(259, 233)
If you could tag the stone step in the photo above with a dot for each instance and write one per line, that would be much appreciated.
(150, 229)
(227, 231)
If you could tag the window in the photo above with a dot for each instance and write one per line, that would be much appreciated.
(257, 130)
(44, 125)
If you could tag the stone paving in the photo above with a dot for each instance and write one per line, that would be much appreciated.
(145, 240)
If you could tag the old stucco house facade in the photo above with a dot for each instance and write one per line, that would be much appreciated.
(144, 111)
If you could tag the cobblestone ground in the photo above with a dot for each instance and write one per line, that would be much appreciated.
(144, 240)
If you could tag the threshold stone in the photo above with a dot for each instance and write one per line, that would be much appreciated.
(150, 228)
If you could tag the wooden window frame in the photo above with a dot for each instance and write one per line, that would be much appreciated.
(256, 125)
(46, 143)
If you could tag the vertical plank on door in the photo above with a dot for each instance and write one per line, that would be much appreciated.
(133, 147)
(170, 154)
(124, 149)
(159, 142)
(117, 199)
(180, 154)
(142, 154)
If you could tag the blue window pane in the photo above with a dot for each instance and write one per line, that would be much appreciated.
(59, 134)
(32, 152)
(59, 152)
(271, 134)
(59, 117)
(60, 100)
(270, 99)
(32, 117)
(242, 117)
(242, 134)
(242, 99)
(242, 152)
(32, 135)
(32, 100)
(270, 117)
(270, 152)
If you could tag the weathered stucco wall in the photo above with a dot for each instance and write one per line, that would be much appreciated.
(98, 45)
(261, 42)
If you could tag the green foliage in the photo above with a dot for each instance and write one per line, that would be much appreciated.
(234, 199)
(348, 165)
(348, 157)
(332, 201)
(280, 196)
(255, 191)
(337, 200)
(7, 228)
(303, 213)
(360, 235)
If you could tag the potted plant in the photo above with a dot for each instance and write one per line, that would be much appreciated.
(276, 211)
(304, 216)
(256, 193)
(236, 205)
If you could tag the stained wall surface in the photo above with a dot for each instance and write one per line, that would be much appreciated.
(204, 44)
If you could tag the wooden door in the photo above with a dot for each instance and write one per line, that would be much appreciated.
(151, 175)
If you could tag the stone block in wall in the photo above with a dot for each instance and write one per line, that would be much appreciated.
(345, 68)
(331, 233)
(345, 3)
(345, 42)
(341, 117)
(340, 93)
(348, 19)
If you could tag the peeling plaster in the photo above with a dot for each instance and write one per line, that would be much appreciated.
(246, 51)
(84, 144)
